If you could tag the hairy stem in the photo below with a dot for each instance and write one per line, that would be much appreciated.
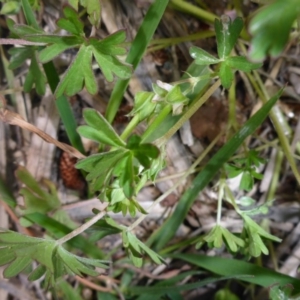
(82, 228)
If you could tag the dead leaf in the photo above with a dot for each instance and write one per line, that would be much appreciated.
(15, 119)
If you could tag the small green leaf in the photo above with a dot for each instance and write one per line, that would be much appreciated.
(78, 75)
(99, 129)
(127, 177)
(202, 57)
(71, 23)
(17, 266)
(94, 11)
(111, 45)
(175, 95)
(241, 63)
(227, 33)
(10, 8)
(54, 50)
(88, 164)
(111, 65)
(37, 273)
(246, 201)
(18, 56)
(35, 76)
(226, 75)
(246, 182)
(6, 256)
(24, 30)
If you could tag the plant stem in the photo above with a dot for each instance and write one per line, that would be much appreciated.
(130, 127)
(220, 200)
(156, 122)
(193, 10)
(187, 115)
(82, 228)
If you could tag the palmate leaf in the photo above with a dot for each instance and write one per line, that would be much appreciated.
(18, 251)
(137, 249)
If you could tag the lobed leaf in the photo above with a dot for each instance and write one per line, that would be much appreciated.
(78, 75)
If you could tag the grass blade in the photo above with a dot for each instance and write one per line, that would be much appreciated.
(136, 52)
(161, 237)
(227, 266)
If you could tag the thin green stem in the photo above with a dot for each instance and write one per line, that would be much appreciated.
(156, 122)
(193, 10)
(220, 200)
(275, 176)
(187, 115)
(282, 129)
(232, 107)
(82, 228)
(130, 127)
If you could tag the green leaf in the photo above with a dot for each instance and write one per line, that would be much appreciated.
(271, 27)
(17, 266)
(99, 129)
(71, 23)
(10, 8)
(127, 177)
(78, 75)
(54, 50)
(88, 164)
(24, 30)
(169, 228)
(202, 57)
(254, 227)
(104, 166)
(246, 182)
(35, 76)
(226, 75)
(6, 256)
(37, 273)
(227, 33)
(228, 266)
(36, 199)
(29, 15)
(110, 65)
(94, 11)
(241, 63)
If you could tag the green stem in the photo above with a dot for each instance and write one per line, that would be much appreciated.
(130, 127)
(232, 107)
(156, 122)
(82, 228)
(220, 200)
(187, 115)
(282, 129)
(193, 10)
(275, 176)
